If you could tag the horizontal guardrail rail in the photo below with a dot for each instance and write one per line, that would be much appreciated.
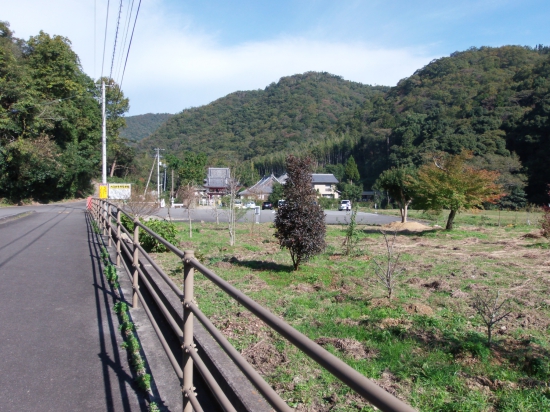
(108, 216)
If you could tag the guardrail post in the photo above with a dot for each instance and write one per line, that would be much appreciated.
(188, 274)
(118, 232)
(109, 226)
(135, 279)
(104, 214)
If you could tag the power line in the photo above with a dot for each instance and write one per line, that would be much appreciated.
(105, 39)
(126, 30)
(116, 38)
(128, 53)
(130, 45)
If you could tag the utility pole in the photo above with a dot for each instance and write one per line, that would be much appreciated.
(158, 174)
(104, 135)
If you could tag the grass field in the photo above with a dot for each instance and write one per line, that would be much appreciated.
(427, 346)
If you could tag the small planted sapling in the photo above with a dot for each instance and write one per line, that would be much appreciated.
(492, 309)
(352, 238)
(387, 270)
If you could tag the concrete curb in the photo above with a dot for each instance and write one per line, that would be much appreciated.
(11, 218)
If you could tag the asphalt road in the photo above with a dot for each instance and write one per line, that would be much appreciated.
(333, 217)
(59, 344)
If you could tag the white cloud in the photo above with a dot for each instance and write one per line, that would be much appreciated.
(171, 67)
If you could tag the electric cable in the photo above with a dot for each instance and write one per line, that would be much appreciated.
(125, 41)
(105, 39)
(128, 52)
(116, 38)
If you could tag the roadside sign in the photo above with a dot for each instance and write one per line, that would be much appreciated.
(103, 191)
(120, 191)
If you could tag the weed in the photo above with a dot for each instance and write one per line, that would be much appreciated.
(153, 407)
(120, 307)
(144, 381)
(95, 227)
(131, 344)
(104, 255)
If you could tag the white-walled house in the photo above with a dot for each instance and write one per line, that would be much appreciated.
(323, 183)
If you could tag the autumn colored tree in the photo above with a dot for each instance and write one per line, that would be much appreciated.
(300, 222)
(399, 184)
(450, 183)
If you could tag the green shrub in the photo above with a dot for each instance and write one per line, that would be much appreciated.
(165, 229)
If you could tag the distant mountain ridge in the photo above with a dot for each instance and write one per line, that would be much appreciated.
(247, 124)
(143, 125)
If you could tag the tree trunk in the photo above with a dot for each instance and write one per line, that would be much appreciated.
(113, 167)
(450, 220)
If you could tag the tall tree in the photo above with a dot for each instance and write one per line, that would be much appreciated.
(399, 184)
(351, 172)
(300, 222)
(193, 168)
(49, 119)
(119, 153)
(449, 183)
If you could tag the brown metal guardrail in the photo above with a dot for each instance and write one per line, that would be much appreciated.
(108, 216)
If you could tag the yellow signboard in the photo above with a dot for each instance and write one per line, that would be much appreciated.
(103, 192)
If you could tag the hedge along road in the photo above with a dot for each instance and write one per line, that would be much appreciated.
(333, 217)
(60, 347)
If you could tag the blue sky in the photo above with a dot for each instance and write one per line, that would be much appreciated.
(189, 53)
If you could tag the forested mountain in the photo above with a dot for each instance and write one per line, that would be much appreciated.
(50, 119)
(285, 117)
(492, 101)
(143, 125)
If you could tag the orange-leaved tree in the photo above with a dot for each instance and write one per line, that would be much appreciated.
(448, 182)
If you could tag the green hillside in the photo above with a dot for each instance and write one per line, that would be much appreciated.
(143, 125)
(284, 117)
(492, 101)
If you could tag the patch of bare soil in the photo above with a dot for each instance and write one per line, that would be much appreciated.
(408, 226)
(264, 357)
(349, 347)
(391, 384)
(419, 308)
(458, 294)
(440, 285)
(223, 265)
(243, 323)
(532, 235)
(303, 288)
(392, 323)
(254, 284)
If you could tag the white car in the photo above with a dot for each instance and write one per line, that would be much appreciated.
(250, 205)
(345, 205)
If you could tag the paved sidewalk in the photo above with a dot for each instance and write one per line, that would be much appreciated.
(59, 343)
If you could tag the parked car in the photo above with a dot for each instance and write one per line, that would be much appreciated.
(345, 205)
(267, 206)
(280, 203)
(238, 204)
(250, 205)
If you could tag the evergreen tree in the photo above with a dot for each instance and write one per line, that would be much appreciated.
(300, 222)
(351, 172)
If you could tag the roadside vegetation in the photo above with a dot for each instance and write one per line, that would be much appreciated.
(428, 344)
